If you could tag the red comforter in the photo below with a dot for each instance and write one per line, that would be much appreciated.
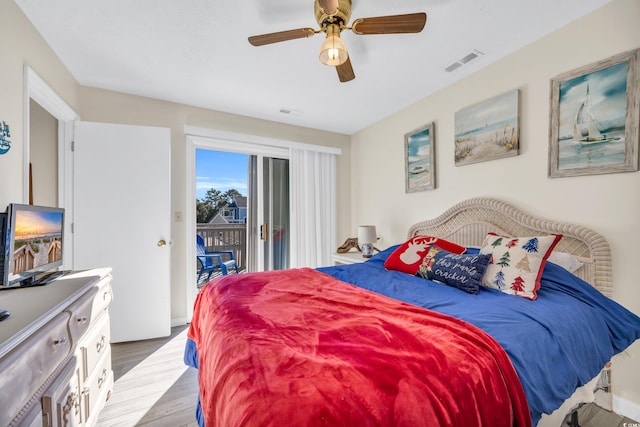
(300, 348)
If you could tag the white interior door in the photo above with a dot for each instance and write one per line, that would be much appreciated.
(122, 219)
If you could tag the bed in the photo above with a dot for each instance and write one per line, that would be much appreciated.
(364, 344)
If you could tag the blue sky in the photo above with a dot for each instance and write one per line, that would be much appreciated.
(220, 170)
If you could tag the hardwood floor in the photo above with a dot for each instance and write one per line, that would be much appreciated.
(153, 387)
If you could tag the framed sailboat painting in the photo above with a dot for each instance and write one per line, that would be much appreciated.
(595, 116)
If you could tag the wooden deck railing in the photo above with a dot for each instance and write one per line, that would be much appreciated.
(23, 259)
(226, 237)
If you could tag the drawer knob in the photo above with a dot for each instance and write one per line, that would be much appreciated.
(102, 379)
(100, 344)
(59, 341)
(82, 319)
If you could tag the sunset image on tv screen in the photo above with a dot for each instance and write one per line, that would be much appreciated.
(38, 239)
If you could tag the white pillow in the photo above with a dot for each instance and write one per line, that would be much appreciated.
(517, 262)
(566, 261)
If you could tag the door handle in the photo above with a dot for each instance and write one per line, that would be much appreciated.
(264, 233)
(162, 243)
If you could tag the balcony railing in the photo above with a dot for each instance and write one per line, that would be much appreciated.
(226, 237)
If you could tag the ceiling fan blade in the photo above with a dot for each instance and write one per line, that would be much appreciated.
(345, 71)
(394, 24)
(281, 36)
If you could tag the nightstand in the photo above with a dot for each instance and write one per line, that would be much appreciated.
(347, 258)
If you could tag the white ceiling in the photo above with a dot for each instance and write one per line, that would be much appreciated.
(196, 52)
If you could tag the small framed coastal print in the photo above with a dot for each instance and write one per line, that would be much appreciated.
(488, 130)
(594, 118)
(419, 159)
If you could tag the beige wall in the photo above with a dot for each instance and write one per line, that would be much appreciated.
(608, 203)
(43, 155)
(21, 45)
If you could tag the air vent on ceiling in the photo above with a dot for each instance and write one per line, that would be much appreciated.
(289, 111)
(465, 59)
(452, 67)
(469, 57)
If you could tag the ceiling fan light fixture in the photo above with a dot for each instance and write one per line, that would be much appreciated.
(333, 51)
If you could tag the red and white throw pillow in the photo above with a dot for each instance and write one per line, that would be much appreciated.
(517, 262)
(408, 257)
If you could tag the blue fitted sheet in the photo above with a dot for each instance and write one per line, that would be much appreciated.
(556, 343)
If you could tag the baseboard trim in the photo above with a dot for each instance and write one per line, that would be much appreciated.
(626, 408)
(178, 321)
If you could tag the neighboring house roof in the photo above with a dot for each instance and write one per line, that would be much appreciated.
(238, 202)
(218, 219)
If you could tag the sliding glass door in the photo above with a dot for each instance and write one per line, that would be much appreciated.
(268, 221)
(290, 216)
(263, 215)
(275, 207)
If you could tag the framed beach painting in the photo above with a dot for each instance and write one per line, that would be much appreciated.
(594, 118)
(419, 159)
(488, 130)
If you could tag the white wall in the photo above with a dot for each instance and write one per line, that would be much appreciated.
(608, 203)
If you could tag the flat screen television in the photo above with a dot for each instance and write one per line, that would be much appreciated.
(33, 242)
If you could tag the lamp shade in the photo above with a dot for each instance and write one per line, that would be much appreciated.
(333, 50)
(367, 234)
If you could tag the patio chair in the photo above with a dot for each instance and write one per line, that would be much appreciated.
(212, 261)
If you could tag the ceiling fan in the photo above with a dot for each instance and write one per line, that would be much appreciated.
(332, 17)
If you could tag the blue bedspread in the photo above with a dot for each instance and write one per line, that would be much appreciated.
(551, 359)
(539, 336)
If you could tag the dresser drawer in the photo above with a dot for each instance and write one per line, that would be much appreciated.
(94, 345)
(30, 364)
(61, 403)
(81, 314)
(96, 390)
(88, 308)
(105, 295)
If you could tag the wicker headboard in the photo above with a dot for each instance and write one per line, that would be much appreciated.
(468, 222)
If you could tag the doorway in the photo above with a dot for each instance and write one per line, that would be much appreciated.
(242, 205)
(43, 156)
(44, 105)
(311, 227)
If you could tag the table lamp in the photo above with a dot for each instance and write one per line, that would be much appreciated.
(366, 238)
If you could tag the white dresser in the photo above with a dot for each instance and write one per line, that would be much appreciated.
(55, 357)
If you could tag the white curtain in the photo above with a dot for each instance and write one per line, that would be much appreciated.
(313, 207)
